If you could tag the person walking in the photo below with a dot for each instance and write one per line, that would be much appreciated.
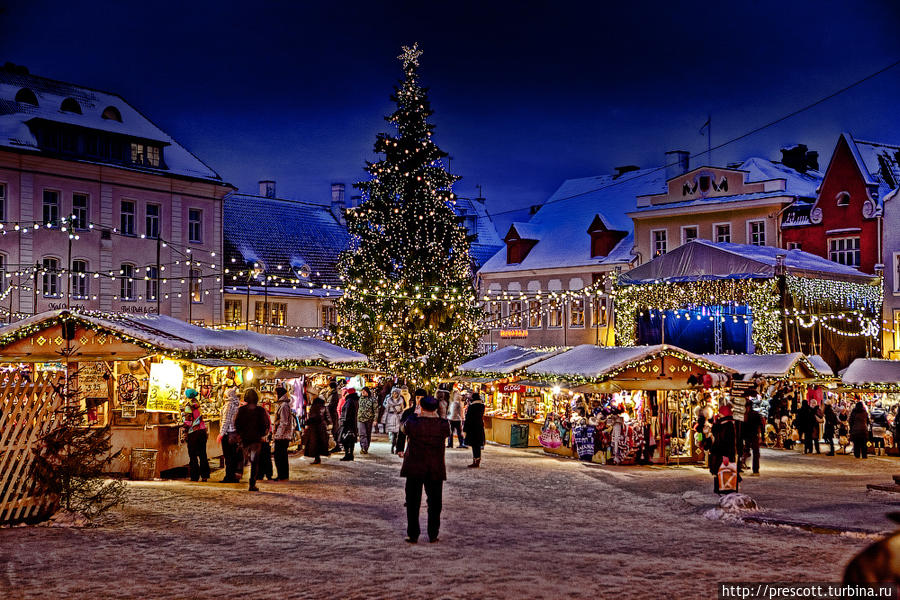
(424, 467)
(454, 416)
(316, 440)
(368, 405)
(805, 424)
(252, 425)
(349, 424)
(283, 432)
(474, 428)
(228, 435)
(831, 423)
(752, 430)
(393, 407)
(724, 445)
(859, 430)
(197, 436)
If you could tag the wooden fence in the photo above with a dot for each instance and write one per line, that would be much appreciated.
(27, 409)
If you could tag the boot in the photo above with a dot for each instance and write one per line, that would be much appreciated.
(476, 462)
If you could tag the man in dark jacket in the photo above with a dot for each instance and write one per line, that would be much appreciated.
(724, 443)
(251, 424)
(423, 467)
(751, 431)
(420, 394)
(349, 424)
(805, 422)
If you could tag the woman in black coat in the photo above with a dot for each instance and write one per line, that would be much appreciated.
(317, 422)
(859, 430)
(831, 423)
(474, 429)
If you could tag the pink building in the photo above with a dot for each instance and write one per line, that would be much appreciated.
(101, 209)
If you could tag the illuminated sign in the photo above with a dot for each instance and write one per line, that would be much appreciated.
(164, 391)
(509, 388)
(513, 333)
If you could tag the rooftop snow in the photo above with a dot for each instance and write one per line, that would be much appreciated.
(508, 359)
(863, 371)
(803, 185)
(880, 164)
(712, 200)
(15, 133)
(769, 365)
(821, 366)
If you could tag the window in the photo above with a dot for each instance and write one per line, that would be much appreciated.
(50, 268)
(79, 279)
(233, 312)
(794, 246)
(51, 206)
(723, 232)
(2, 202)
(843, 199)
(80, 218)
(576, 313)
(152, 220)
(3, 273)
(137, 153)
(515, 314)
(494, 314)
(152, 287)
(195, 226)
(689, 234)
(329, 316)
(111, 113)
(153, 156)
(600, 316)
(844, 251)
(658, 238)
(70, 105)
(196, 286)
(26, 96)
(534, 314)
(126, 285)
(756, 233)
(555, 316)
(127, 218)
(277, 313)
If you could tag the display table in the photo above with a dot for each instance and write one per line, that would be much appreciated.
(497, 430)
(565, 451)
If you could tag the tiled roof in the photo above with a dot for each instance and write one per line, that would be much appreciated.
(15, 116)
(283, 236)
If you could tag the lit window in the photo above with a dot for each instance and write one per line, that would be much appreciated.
(152, 220)
(233, 312)
(515, 314)
(555, 315)
(2, 202)
(329, 316)
(757, 233)
(196, 286)
(195, 226)
(599, 316)
(126, 283)
(51, 206)
(80, 215)
(152, 287)
(2, 272)
(723, 232)
(137, 153)
(534, 314)
(127, 217)
(153, 156)
(50, 267)
(844, 251)
(80, 279)
(576, 313)
(659, 242)
(111, 113)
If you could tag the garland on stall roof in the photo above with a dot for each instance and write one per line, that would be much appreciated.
(760, 295)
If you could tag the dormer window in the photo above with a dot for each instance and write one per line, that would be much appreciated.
(26, 96)
(111, 113)
(603, 239)
(517, 243)
(70, 105)
(843, 199)
(145, 154)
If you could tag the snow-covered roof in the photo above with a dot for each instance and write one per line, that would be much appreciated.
(562, 222)
(702, 259)
(872, 371)
(879, 163)
(508, 359)
(526, 231)
(168, 334)
(16, 133)
(767, 365)
(821, 366)
(594, 362)
(714, 200)
(803, 185)
(485, 232)
(283, 236)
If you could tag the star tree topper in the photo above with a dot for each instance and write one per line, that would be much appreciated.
(410, 56)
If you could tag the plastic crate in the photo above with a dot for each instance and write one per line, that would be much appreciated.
(518, 435)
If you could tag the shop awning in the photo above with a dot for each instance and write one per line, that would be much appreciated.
(821, 366)
(874, 373)
(508, 359)
(795, 364)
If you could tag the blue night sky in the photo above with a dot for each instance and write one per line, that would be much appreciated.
(526, 94)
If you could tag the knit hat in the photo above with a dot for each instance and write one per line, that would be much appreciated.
(428, 403)
(280, 391)
(190, 393)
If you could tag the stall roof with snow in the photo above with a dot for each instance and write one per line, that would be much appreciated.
(821, 366)
(793, 365)
(508, 360)
(40, 338)
(872, 373)
(638, 366)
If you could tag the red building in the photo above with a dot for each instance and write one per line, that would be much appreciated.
(844, 222)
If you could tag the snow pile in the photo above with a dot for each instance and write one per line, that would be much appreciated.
(68, 519)
(731, 507)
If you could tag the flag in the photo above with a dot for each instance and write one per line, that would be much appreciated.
(705, 126)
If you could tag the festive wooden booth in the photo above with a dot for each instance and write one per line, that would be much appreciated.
(872, 380)
(130, 371)
(514, 407)
(641, 393)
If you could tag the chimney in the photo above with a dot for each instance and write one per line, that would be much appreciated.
(354, 201)
(799, 158)
(678, 162)
(337, 202)
(625, 169)
(267, 188)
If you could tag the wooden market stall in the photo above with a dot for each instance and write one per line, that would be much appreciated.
(655, 392)
(130, 371)
(514, 407)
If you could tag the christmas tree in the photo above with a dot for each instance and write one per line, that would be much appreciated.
(409, 302)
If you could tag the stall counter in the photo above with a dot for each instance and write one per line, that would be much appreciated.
(497, 430)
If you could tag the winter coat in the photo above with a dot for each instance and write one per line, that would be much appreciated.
(367, 406)
(251, 423)
(229, 410)
(879, 417)
(316, 431)
(805, 420)
(401, 436)
(474, 424)
(350, 414)
(752, 428)
(332, 397)
(424, 455)
(393, 406)
(193, 419)
(284, 419)
(724, 442)
(859, 421)
(454, 413)
(831, 422)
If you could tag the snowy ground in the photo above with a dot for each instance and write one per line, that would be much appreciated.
(523, 526)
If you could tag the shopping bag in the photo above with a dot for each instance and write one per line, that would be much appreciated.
(727, 476)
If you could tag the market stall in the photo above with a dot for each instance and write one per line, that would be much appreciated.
(130, 372)
(629, 404)
(514, 408)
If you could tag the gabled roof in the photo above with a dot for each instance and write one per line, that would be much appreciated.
(872, 371)
(525, 231)
(15, 116)
(767, 365)
(878, 163)
(485, 232)
(283, 236)
(569, 212)
(702, 259)
(508, 359)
